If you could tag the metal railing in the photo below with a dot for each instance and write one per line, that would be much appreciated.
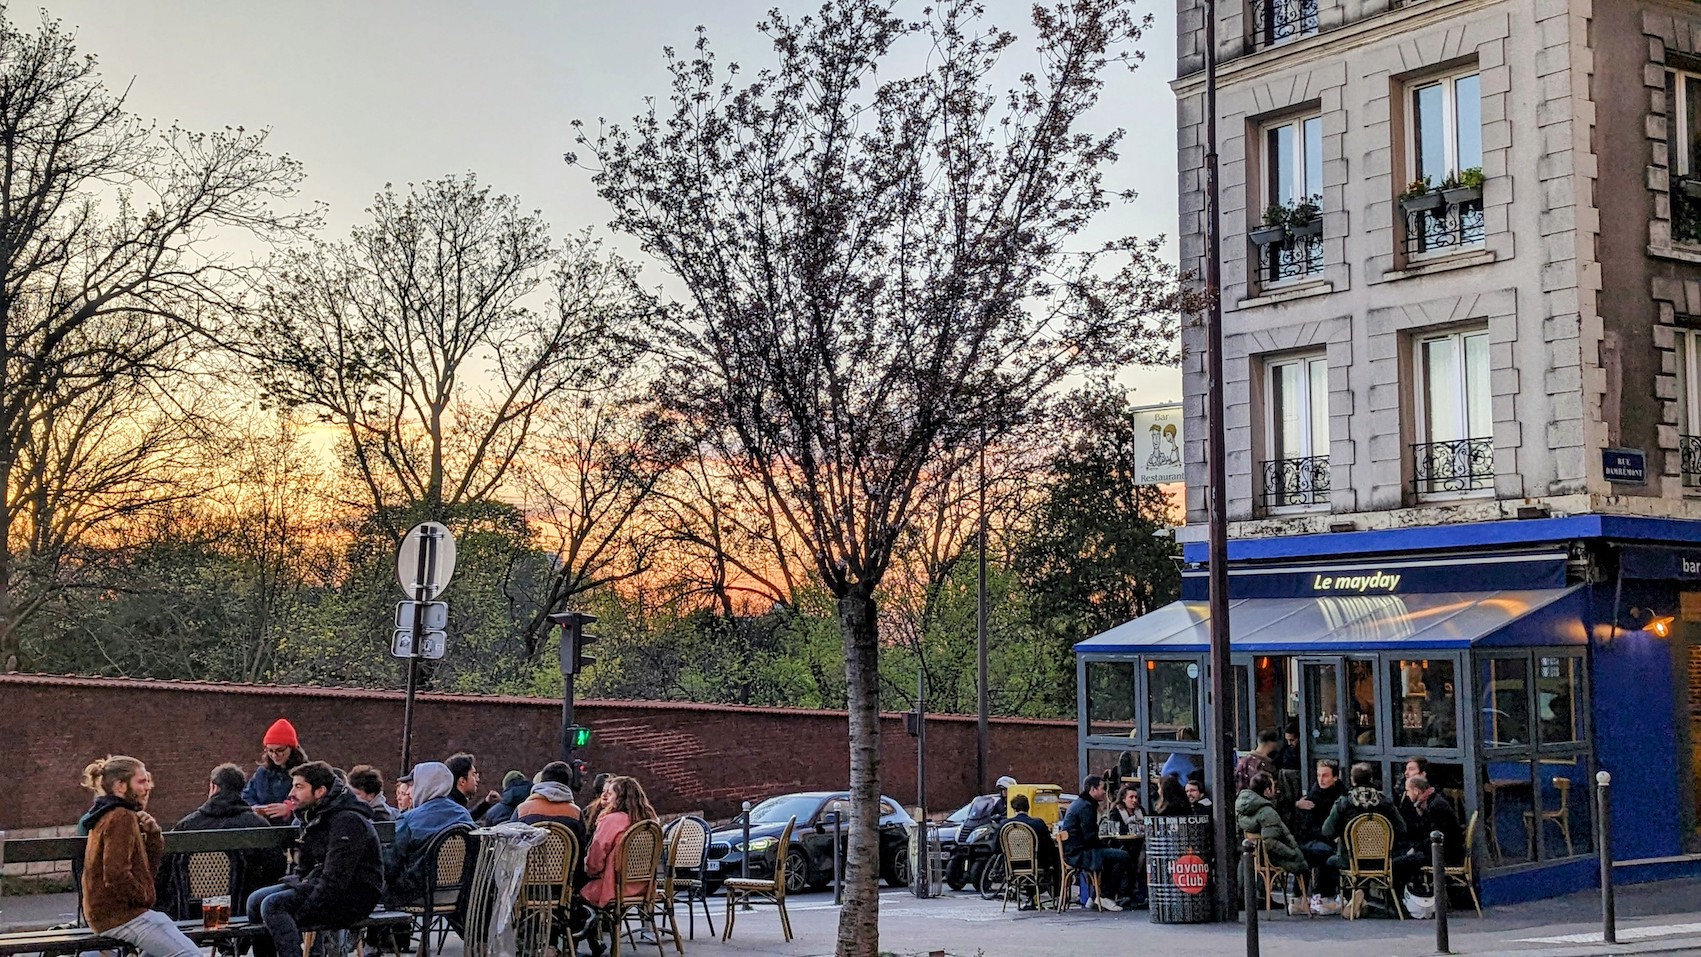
(1296, 482)
(1689, 449)
(1292, 258)
(1686, 211)
(1445, 227)
(1462, 465)
(1276, 20)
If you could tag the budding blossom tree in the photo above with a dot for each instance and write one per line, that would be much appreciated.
(881, 273)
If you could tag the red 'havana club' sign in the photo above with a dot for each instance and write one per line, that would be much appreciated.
(1190, 873)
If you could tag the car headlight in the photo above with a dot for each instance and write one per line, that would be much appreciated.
(757, 846)
(979, 834)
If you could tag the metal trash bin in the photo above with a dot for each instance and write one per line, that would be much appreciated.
(493, 897)
(1179, 871)
(934, 885)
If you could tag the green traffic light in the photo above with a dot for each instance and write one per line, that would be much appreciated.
(581, 737)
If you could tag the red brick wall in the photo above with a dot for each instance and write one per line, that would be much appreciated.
(688, 756)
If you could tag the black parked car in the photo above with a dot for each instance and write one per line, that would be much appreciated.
(811, 854)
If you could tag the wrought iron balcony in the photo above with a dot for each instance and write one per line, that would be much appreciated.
(1462, 465)
(1437, 222)
(1689, 449)
(1293, 257)
(1686, 211)
(1276, 20)
(1292, 483)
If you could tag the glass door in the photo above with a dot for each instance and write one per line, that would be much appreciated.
(1322, 702)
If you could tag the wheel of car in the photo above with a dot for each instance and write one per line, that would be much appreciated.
(797, 871)
(898, 875)
(991, 883)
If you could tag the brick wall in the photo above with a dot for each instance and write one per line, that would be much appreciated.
(688, 756)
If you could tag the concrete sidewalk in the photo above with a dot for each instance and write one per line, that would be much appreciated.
(1653, 918)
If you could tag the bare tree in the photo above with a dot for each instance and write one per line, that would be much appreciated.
(424, 340)
(105, 223)
(879, 274)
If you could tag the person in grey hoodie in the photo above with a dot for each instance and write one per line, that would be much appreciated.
(405, 863)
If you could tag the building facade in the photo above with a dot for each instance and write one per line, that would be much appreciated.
(1461, 300)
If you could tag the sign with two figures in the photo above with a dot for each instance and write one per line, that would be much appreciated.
(424, 563)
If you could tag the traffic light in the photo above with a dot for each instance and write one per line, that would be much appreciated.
(579, 736)
(577, 778)
(574, 638)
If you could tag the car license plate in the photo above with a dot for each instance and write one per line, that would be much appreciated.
(714, 865)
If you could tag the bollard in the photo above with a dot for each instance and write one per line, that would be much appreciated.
(1603, 813)
(744, 865)
(1438, 871)
(1249, 880)
(838, 865)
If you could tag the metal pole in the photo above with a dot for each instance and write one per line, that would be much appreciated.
(744, 865)
(567, 709)
(838, 863)
(1438, 870)
(920, 875)
(1603, 813)
(1220, 744)
(1250, 883)
(983, 733)
(427, 564)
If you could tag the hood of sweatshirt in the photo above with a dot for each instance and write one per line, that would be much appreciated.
(1249, 803)
(553, 792)
(431, 780)
(101, 806)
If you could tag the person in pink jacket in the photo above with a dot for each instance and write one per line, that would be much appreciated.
(624, 803)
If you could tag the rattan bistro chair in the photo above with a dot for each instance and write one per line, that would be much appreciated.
(1269, 875)
(544, 907)
(1067, 875)
(1560, 815)
(451, 852)
(687, 863)
(742, 889)
(1021, 865)
(1370, 859)
(1465, 874)
(637, 858)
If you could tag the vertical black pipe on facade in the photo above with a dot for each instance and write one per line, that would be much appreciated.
(1220, 749)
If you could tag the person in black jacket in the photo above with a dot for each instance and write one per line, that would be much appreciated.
(339, 873)
(1084, 849)
(223, 810)
(1433, 813)
(515, 789)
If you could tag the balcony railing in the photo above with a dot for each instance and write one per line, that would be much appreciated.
(1686, 211)
(1291, 258)
(1276, 20)
(1290, 483)
(1462, 465)
(1689, 450)
(1435, 224)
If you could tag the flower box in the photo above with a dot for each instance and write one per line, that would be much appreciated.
(1268, 235)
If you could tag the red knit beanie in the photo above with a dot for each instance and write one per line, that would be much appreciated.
(281, 734)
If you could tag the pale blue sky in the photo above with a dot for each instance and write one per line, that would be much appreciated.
(377, 91)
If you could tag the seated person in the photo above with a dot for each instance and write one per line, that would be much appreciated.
(1408, 811)
(339, 869)
(1086, 851)
(1255, 813)
(434, 808)
(224, 809)
(1045, 849)
(1361, 799)
(1433, 812)
(1172, 798)
(1196, 796)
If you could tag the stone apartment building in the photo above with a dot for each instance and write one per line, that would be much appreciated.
(1461, 300)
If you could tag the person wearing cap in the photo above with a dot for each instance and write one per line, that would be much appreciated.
(515, 789)
(268, 790)
(405, 863)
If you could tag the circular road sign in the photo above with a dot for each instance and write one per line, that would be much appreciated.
(1191, 873)
(426, 560)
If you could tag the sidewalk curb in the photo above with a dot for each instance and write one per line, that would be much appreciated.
(1647, 945)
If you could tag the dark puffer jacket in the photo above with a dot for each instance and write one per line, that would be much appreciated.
(1354, 804)
(340, 871)
(252, 869)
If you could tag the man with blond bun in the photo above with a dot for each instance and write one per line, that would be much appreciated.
(122, 859)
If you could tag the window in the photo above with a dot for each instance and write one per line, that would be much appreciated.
(1427, 710)
(1172, 699)
(1535, 759)
(1445, 137)
(1276, 20)
(1110, 698)
(1297, 472)
(1683, 96)
(1290, 243)
(1689, 404)
(1455, 425)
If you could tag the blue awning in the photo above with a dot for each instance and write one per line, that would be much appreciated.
(1341, 624)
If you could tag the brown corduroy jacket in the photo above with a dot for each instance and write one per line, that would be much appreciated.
(119, 865)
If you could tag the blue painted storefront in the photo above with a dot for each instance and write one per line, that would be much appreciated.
(1530, 635)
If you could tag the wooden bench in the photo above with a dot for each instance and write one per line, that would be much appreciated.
(74, 940)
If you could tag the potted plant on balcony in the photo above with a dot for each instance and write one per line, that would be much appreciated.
(1275, 228)
(1462, 187)
(1420, 197)
(1305, 218)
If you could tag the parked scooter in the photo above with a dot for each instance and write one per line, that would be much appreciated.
(977, 838)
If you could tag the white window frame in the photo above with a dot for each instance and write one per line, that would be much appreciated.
(1688, 343)
(1678, 130)
(1421, 377)
(1313, 407)
(1449, 122)
(1297, 174)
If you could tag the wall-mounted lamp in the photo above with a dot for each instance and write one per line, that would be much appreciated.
(1660, 626)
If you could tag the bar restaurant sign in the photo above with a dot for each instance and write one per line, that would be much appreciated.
(1158, 458)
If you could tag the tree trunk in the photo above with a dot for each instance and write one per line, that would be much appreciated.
(859, 920)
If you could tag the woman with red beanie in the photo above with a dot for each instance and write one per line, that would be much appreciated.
(268, 790)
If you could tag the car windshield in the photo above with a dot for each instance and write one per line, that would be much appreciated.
(960, 815)
(777, 809)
